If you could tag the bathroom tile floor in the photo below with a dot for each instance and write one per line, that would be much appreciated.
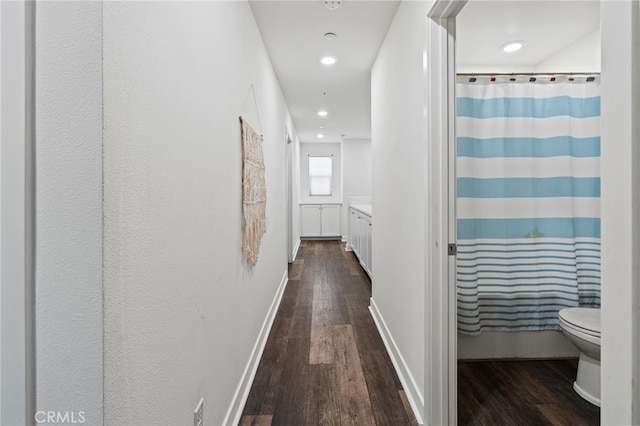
(521, 393)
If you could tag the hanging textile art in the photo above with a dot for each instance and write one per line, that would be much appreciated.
(528, 200)
(254, 192)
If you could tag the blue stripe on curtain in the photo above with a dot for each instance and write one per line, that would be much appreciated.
(529, 107)
(528, 187)
(516, 272)
(529, 147)
(469, 229)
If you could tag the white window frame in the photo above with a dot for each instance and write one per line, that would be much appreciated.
(330, 176)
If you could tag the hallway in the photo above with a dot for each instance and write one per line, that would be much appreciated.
(324, 362)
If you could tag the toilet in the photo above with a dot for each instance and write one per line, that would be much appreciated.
(582, 327)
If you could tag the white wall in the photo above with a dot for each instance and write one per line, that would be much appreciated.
(620, 351)
(69, 208)
(356, 164)
(398, 157)
(580, 56)
(182, 310)
(321, 149)
(357, 177)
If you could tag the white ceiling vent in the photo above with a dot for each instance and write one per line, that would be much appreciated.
(332, 4)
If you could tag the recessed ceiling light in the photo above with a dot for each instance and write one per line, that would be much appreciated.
(321, 126)
(513, 46)
(320, 136)
(328, 60)
(322, 113)
(330, 36)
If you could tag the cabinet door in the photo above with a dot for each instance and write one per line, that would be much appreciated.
(367, 242)
(310, 221)
(331, 221)
(353, 218)
(364, 240)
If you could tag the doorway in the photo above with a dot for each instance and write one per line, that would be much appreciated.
(620, 23)
(441, 323)
(289, 193)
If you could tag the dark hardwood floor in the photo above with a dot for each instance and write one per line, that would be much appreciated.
(522, 393)
(324, 362)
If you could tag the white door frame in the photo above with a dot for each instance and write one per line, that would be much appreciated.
(289, 192)
(440, 291)
(620, 224)
(17, 212)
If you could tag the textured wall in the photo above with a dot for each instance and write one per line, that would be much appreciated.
(399, 162)
(356, 167)
(182, 311)
(69, 208)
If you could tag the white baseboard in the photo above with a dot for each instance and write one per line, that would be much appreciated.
(296, 248)
(242, 392)
(414, 395)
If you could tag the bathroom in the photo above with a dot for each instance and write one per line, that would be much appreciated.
(552, 54)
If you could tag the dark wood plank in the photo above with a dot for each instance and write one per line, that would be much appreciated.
(262, 395)
(321, 351)
(521, 392)
(497, 398)
(382, 389)
(366, 333)
(354, 264)
(302, 311)
(295, 269)
(290, 407)
(355, 406)
(339, 311)
(323, 295)
(407, 406)
(264, 420)
(323, 403)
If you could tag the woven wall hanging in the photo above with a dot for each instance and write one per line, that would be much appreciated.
(254, 192)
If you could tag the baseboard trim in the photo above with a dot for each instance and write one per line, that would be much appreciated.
(296, 248)
(242, 392)
(413, 393)
(320, 238)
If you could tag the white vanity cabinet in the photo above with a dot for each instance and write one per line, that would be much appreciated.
(360, 224)
(320, 220)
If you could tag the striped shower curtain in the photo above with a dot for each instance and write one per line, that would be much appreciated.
(528, 199)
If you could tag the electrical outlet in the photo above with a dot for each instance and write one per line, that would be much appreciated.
(198, 419)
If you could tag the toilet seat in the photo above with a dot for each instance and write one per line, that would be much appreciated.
(582, 327)
(582, 321)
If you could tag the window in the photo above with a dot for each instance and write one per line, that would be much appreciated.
(320, 175)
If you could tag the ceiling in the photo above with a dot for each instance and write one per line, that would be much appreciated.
(547, 27)
(293, 33)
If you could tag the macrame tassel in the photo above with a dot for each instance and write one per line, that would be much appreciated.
(254, 193)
